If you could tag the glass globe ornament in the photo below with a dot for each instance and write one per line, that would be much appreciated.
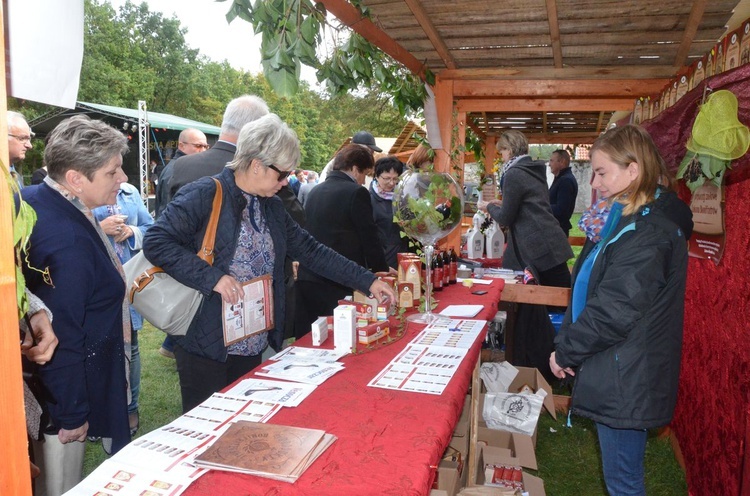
(428, 206)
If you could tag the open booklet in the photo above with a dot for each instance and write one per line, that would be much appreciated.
(252, 314)
(277, 452)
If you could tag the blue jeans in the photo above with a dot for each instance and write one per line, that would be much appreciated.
(623, 451)
(168, 343)
(135, 372)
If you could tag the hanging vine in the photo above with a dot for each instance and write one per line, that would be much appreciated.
(295, 32)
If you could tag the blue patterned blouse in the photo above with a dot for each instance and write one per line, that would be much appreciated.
(254, 257)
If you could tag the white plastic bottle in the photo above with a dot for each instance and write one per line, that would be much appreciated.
(474, 237)
(494, 241)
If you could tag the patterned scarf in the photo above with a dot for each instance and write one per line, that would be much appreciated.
(385, 195)
(593, 219)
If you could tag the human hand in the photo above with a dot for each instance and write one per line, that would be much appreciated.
(46, 340)
(125, 232)
(69, 436)
(383, 292)
(113, 225)
(558, 371)
(229, 289)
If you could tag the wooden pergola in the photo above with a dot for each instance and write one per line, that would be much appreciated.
(557, 70)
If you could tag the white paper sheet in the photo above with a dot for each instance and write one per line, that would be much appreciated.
(283, 393)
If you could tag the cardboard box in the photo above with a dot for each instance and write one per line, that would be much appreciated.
(319, 330)
(344, 328)
(373, 332)
(533, 378)
(521, 446)
(492, 455)
(448, 477)
(486, 434)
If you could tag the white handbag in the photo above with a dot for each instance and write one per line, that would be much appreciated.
(160, 299)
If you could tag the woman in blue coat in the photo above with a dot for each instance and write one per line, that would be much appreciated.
(253, 237)
(72, 267)
(622, 334)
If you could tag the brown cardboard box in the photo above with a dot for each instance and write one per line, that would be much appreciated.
(533, 378)
(521, 446)
(438, 492)
(448, 477)
(490, 454)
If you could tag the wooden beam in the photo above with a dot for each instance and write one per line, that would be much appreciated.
(423, 19)
(554, 33)
(600, 122)
(561, 138)
(694, 20)
(544, 121)
(538, 295)
(15, 476)
(474, 127)
(350, 16)
(551, 88)
(543, 104)
(593, 72)
(486, 122)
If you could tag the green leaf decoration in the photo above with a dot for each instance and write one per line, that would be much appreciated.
(283, 81)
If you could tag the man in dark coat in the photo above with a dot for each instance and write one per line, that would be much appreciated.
(339, 215)
(564, 189)
(239, 112)
(191, 141)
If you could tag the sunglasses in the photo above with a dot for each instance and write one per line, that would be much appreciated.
(282, 174)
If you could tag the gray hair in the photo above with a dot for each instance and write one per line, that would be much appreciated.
(515, 141)
(13, 119)
(242, 110)
(269, 140)
(82, 144)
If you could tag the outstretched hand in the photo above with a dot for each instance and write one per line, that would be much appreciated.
(383, 292)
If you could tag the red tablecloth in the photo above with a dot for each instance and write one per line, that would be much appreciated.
(389, 442)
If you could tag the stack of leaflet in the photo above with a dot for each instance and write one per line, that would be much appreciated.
(305, 365)
(428, 363)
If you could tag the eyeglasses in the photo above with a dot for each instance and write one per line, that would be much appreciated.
(200, 146)
(22, 139)
(282, 174)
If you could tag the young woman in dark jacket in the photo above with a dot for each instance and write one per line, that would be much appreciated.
(622, 333)
(253, 238)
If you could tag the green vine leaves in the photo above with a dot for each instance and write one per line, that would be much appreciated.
(292, 34)
(23, 223)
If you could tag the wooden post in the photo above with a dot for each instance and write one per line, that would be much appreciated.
(15, 476)
(489, 191)
(444, 103)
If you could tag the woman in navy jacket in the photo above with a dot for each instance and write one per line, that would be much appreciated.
(84, 288)
(622, 334)
(253, 237)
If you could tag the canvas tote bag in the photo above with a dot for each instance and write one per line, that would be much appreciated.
(160, 299)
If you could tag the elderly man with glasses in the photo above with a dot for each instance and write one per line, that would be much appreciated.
(19, 140)
(190, 142)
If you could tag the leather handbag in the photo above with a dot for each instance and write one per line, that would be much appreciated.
(159, 298)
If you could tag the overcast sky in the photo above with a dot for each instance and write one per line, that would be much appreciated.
(209, 31)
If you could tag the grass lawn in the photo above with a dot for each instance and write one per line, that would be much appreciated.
(568, 458)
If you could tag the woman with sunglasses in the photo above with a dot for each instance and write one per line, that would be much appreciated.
(253, 237)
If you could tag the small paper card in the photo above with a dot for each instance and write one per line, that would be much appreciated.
(252, 314)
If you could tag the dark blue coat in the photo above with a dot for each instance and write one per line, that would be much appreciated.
(562, 198)
(627, 341)
(173, 241)
(86, 375)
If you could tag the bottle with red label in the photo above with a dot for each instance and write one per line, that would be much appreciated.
(437, 273)
(446, 268)
(453, 266)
